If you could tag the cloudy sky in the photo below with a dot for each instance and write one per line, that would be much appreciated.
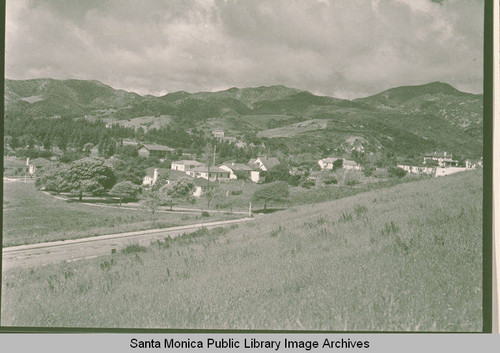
(341, 48)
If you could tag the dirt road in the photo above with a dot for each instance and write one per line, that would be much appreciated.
(71, 250)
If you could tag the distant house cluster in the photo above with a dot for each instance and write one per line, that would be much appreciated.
(328, 163)
(206, 177)
(442, 164)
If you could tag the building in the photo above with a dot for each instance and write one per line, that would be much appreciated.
(153, 150)
(411, 169)
(185, 165)
(264, 163)
(153, 174)
(150, 179)
(211, 174)
(202, 186)
(327, 164)
(37, 164)
(443, 159)
(236, 169)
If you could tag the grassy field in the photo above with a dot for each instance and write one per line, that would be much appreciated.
(30, 216)
(403, 258)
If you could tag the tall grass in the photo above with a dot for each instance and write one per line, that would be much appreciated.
(405, 258)
(32, 217)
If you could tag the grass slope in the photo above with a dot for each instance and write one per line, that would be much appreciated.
(404, 258)
(30, 216)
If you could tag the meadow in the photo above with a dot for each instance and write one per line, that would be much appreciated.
(30, 216)
(405, 258)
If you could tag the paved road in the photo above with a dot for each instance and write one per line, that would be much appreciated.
(71, 250)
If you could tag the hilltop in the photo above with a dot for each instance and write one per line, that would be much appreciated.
(403, 120)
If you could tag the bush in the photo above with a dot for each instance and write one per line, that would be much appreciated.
(205, 214)
(396, 172)
(236, 192)
(308, 184)
(330, 180)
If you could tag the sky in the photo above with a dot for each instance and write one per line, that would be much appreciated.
(340, 48)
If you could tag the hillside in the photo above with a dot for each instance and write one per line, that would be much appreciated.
(401, 120)
(397, 259)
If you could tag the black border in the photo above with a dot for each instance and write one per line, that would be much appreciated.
(488, 92)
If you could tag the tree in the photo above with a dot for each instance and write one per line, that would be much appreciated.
(151, 200)
(211, 194)
(124, 189)
(87, 148)
(180, 189)
(87, 175)
(338, 164)
(397, 172)
(277, 192)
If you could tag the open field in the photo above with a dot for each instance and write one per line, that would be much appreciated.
(30, 216)
(402, 258)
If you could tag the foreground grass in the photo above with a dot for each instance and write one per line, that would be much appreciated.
(404, 258)
(30, 216)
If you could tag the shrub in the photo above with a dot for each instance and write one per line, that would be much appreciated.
(134, 248)
(330, 180)
(205, 214)
(396, 172)
(236, 192)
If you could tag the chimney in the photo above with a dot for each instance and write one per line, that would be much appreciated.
(155, 175)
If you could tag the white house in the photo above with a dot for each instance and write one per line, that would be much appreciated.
(264, 163)
(443, 159)
(441, 171)
(150, 179)
(186, 165)
(237, 168)
(327, 163)
(212, 173)
(411, 169)
(202, 186)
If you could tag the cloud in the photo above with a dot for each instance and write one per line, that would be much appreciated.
(340, 48)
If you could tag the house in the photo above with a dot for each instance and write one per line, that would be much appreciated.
(327, 163)
(36, 164)
(212, 173)
(443, 159)
(443, 171)
(411, 169)
(202, 186)
(153, 150)
(236, 169)
(185, 165)
(153, 174)
(264, 163)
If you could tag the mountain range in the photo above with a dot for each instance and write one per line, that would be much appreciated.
(404, 120)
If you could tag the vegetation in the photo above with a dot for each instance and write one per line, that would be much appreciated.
(125, 189)
(394, 260)
(30, 216)
(275, 192)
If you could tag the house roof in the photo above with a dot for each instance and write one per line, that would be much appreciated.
(269, 162)
(238, 166)
(188, 162)
(204, 169)
(333, 159)
(439, 155)
(40, 162)
(155, 147)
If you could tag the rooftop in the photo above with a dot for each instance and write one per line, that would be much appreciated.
(187, 162)
(155, 147)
